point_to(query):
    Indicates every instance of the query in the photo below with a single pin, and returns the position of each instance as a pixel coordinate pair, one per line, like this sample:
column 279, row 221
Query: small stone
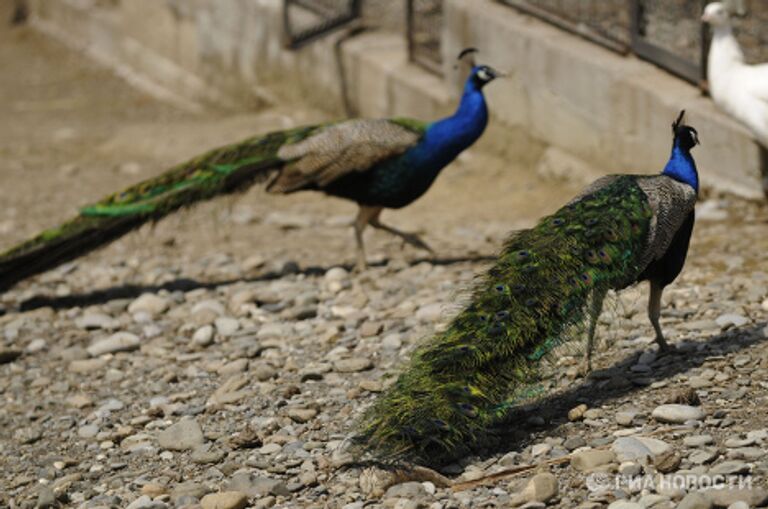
column 46, row 498
column 625, row 504
column 577, row 413
column 540, row 449
column 79, row 401
column 698, row 440
column 301, row 415
column 541, row 488
column 371, row 385
column 739, row 505
column 270, row 448
column 36, row 345
column 754, row 497
column 205, row 454
column 592, row 458
column 154, row 489
column 629, row 449
column 352, row 365
column 430, row 313
column 233, row 367
column 118, row 342
column 370, row 329
column 203, row 336
column 410, row 490
column 28, row 435
column 262, row 371
column 625, row 418
column 731, row 320
column 573, row 443
column 226, row 326
column 392, row 341
column 695, row 500
column 630, row 469
column 149, row 303
column 93, row 321
column 184, row 435
column 87, row 431
column 730, row 468
column 336, row 274
column 677, row 414
column 667, row 462
column 225, row 500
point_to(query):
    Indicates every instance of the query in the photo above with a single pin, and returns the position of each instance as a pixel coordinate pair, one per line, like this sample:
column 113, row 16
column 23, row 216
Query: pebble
column 184, row 435
column 540, row 488
column 731, row 320
column 93, row 321
column 87, row 365
column 203, row 336
column 695, row 500
column 677, row 414
column 149, row 303
column 430, row 313
column 226, row 326
column 118, row 342
column 586, row 460
column 225, row 500
column 754, row 497
column 352, row 365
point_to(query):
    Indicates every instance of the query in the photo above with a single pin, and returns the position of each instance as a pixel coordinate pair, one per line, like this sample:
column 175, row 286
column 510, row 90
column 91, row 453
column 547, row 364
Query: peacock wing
column 671, row 202
column 339, row 149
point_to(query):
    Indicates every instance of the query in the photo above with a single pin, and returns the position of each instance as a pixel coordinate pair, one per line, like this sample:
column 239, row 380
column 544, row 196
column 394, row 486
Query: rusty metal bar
column 331, row 19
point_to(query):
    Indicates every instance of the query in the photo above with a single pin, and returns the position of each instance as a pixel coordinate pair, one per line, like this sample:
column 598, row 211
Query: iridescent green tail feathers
column 534, row 298
column 224, row 170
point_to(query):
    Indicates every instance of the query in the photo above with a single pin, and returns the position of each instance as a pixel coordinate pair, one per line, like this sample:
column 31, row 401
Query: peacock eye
column 483, row 75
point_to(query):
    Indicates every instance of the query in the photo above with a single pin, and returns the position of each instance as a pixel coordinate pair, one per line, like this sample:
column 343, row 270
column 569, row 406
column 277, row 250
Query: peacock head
column 479, row 75
column 716, row 15
column 686, row 136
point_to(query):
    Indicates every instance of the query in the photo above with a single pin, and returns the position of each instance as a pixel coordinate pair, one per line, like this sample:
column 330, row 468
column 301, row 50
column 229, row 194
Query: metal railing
column 424, row 27
column 668, row 33
column 307, row 20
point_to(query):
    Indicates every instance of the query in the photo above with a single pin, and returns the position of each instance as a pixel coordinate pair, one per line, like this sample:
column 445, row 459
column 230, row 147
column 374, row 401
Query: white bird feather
column 739, row 89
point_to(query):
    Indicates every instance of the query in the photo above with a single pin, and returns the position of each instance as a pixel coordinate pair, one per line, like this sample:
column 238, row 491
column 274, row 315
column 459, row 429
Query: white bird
column 738, row 88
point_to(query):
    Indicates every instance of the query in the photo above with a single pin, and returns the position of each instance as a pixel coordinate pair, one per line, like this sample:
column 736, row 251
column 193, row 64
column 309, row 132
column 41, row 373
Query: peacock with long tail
column 547, row 284
column 378, row 163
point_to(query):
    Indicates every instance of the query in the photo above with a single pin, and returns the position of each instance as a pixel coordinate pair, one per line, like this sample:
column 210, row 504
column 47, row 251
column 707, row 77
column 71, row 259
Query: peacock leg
column 362, row 220
column 596, row 306
column 654, row 312
column 409, row 238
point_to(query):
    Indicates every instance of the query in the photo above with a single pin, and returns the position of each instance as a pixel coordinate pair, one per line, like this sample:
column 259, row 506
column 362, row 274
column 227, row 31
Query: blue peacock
column 377, row 163
column 548, row 282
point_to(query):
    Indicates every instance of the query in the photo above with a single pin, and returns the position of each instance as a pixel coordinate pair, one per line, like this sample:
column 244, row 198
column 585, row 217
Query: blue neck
column 447, row 138
column 681, row 167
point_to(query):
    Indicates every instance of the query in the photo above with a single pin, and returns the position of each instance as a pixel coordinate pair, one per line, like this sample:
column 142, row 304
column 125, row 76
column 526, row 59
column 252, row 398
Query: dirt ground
column 71, row 132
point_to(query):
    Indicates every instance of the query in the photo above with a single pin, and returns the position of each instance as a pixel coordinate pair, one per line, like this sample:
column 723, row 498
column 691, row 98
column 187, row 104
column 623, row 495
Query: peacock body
column 545, row 285
column 378, row 163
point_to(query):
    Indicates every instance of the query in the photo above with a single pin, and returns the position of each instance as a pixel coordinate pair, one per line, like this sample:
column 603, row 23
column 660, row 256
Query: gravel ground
column 220, row 358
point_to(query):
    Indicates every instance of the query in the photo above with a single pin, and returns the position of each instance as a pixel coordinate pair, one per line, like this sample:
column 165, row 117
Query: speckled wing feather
column 671, row 202
column 339, row 149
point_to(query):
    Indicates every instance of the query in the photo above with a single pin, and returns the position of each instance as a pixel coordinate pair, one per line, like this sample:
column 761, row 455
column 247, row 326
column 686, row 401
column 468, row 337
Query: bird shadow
column 518, row 429
column 131, row 291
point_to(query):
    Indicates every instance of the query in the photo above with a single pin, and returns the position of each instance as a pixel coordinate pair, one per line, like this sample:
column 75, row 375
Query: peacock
column 377, row 163
column 547, row 284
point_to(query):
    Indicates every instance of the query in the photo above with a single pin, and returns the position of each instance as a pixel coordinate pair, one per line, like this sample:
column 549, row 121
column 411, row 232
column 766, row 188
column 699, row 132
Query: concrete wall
column 598, row 112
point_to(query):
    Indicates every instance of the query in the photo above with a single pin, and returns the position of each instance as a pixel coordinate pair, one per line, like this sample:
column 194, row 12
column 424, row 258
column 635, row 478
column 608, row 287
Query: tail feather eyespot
column 468, row 409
